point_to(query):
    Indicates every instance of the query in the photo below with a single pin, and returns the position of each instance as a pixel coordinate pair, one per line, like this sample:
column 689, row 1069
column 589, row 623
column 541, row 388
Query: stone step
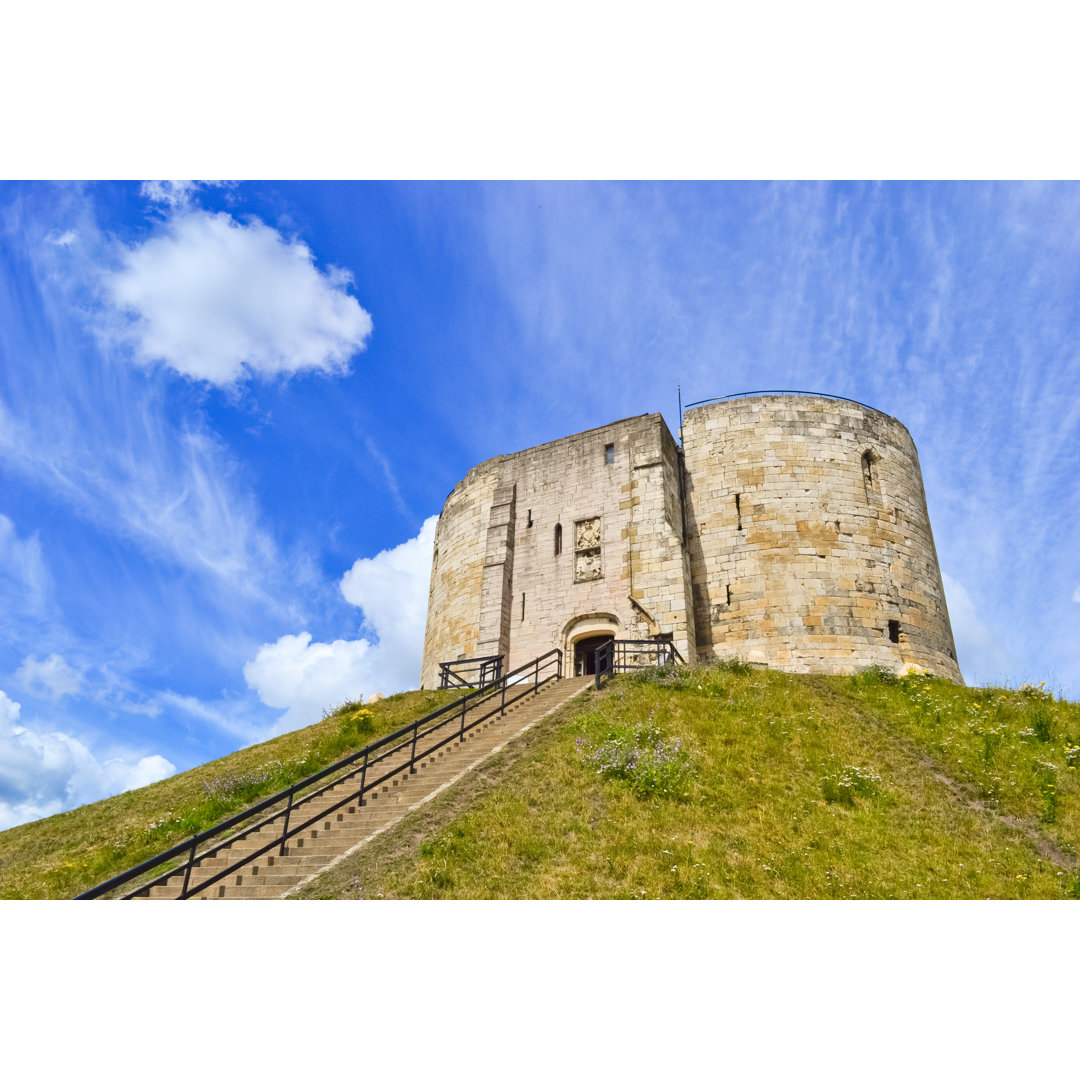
column 249, row 892
column 340, row 830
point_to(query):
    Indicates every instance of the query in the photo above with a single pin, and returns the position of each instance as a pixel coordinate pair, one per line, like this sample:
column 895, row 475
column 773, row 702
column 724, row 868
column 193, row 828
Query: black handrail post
column 363, row 776
column 412, row 757
column 502, row 707
column 190, row 863
column 536, row 677
column 285, row 827
column 461, row 738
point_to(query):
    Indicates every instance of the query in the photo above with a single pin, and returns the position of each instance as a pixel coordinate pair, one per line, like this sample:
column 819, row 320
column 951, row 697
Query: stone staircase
column 344, row 831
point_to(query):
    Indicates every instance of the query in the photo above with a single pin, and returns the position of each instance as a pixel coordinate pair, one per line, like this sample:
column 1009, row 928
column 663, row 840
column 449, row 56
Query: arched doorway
column 585, row 653
column 583, row 634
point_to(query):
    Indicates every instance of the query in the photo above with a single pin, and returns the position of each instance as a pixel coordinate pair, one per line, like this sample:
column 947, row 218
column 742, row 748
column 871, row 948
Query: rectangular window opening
column 738, row 511
column 894, row 631
column 728, row 594
column 609, row 454
column 528, row 524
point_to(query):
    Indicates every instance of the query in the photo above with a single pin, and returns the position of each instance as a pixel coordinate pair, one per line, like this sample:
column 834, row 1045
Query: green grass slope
column 66, row 854
column 721, row 781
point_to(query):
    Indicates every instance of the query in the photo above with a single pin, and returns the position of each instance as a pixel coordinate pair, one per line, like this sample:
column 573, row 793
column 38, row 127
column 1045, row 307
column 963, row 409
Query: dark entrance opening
column 585, row 653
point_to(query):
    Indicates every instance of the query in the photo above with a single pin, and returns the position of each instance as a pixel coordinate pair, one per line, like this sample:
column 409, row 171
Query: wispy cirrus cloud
column 77, row 420
column 24, row 577
column 144, row 495
column 391, row 480
column 983, row 654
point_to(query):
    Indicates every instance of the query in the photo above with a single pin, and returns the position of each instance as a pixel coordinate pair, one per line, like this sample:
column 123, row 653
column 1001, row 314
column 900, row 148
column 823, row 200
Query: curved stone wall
column 457, row 570
column 809, row 539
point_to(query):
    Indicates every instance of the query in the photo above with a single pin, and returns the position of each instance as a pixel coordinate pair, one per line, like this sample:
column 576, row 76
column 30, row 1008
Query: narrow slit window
column 558, row 540
column 728, row 587
column 868, row 468
column 528, row 524
column 738, row 511
column 609, row 454
column 894, row 631
column 522, row 607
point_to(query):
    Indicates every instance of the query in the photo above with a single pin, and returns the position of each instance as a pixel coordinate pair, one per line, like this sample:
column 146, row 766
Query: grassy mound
column 722, row 781
column 66, row 854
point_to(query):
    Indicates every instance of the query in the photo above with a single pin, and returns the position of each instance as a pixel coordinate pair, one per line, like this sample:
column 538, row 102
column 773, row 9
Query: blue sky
column 229, row 413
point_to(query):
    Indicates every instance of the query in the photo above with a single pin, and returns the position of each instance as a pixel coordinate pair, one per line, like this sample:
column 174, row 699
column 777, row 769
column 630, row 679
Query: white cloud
column 392, row 589
column 175, row 194
column 306, row 677
column 170, row 192
column 218, row 300
column 44, row 773
column 52, row 677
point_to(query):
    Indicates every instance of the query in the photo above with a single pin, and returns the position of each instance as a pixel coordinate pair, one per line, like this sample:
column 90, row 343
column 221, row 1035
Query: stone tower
column 810, row 544
column 788, row 530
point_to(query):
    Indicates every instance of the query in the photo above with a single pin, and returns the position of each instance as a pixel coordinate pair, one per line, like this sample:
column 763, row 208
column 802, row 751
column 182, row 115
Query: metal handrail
column 363, row 760
column 488, row 668
column 607, row 665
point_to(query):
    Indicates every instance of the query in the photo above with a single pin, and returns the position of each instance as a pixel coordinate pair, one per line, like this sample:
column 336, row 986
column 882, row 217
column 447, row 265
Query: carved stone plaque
column 587, row 565
column 587, row 534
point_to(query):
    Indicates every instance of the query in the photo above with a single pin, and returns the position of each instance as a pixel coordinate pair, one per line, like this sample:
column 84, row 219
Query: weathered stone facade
column 789, row 530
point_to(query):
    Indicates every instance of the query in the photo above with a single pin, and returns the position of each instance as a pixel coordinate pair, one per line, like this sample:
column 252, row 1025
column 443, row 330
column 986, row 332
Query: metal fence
column 616, row 656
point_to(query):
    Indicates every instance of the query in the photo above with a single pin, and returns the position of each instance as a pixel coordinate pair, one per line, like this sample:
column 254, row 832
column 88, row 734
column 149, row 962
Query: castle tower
column 561, row 546
column 809, row 539
column 789, row 530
